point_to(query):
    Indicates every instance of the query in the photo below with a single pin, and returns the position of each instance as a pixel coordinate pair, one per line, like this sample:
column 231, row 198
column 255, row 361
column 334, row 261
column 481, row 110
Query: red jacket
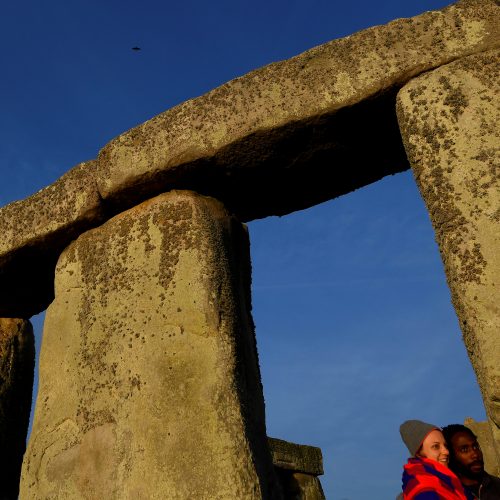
column 425, row 479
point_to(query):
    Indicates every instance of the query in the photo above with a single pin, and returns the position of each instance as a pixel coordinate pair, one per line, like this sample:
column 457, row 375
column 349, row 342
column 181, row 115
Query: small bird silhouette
column 136, row 48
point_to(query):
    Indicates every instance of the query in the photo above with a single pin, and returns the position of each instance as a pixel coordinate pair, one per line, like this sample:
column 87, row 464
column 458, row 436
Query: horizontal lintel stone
column 297, row 132
column 296, row 457
column 284, row 137
column 34, row 232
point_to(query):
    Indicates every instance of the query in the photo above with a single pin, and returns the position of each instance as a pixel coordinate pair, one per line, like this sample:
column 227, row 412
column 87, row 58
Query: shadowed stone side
column 449, row 121
column 17, row 363
column 300, row 486
column 34, row 232
column 149, row 378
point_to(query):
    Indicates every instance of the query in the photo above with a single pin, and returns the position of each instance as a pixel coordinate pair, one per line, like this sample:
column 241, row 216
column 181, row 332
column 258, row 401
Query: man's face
column 467, row 456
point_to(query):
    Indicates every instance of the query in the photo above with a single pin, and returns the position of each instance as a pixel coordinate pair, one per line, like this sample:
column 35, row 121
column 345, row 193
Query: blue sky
column 355, row 328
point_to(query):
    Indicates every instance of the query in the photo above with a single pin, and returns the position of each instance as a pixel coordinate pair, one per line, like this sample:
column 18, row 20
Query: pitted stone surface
column 274, row 132
column 149, row 379
column 282, row 138
column 35, row 230
column 73, row 198
column 296, row 457
column 449, row 120
column 17, row 363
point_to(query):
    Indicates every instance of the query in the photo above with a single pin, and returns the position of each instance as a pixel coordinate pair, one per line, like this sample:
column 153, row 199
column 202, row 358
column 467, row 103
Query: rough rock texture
column 449, row 121
column 284, row 137
column 17, row 363
column 297, row 467
column 149, row 378
column 35, row 230
column 296, row 457
column 484, row 436
column 297, row 132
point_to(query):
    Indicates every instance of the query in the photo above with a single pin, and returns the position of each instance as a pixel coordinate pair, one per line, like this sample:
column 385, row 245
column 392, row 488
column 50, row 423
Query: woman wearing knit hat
column 426, row 475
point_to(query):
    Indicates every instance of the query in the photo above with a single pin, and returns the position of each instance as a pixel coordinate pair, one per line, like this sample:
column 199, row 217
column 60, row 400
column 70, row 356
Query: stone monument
column 149, row 376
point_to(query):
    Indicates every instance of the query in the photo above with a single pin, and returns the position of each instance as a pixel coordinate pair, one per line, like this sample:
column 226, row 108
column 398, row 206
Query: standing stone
column 17, row 363
column 149, row 379
column 449, row 122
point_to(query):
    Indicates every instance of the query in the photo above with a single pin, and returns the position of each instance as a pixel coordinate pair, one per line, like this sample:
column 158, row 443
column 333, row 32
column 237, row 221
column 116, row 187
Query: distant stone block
column 296, row 457
column 297, row 467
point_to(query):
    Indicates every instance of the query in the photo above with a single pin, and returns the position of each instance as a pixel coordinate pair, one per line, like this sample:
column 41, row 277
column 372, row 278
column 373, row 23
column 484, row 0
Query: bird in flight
column 136, row 48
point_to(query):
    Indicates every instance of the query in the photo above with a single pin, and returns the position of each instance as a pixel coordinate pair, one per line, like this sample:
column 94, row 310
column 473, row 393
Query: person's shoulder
column 491, row 483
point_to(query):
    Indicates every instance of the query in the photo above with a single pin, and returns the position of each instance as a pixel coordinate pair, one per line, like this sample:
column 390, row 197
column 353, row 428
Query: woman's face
column 434, row 448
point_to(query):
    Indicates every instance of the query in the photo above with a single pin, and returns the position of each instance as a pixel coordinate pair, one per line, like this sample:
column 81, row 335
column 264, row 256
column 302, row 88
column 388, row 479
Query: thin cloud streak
column 379, row 282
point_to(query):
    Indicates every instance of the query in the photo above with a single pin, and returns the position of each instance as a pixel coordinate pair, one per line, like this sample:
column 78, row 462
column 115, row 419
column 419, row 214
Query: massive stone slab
column 449, row 120
column 34, row 232
column 17, row 363
column 149, row 378
column 297, row 132
column 284, row 137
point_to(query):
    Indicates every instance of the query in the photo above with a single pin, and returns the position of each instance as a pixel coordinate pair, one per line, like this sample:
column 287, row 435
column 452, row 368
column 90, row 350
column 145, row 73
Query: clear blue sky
column 355, row 328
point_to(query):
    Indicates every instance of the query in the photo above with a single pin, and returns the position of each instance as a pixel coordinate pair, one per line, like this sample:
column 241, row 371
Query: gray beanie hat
column 413, row 432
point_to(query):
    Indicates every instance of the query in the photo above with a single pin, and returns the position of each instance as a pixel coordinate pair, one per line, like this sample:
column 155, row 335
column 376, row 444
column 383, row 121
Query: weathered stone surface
column 297, row 467
column 281, row 138
column 449, row 120
column 485, row 438
column 296, row 457
column 149, row 379
column 35, row 230
column 17, row 363
column 297, row 132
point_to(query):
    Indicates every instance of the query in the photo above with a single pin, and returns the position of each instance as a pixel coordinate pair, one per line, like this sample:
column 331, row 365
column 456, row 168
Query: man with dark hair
column 466, row 461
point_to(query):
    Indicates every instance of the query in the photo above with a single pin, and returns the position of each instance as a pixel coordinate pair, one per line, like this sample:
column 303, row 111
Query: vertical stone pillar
column 149, row 377
column 17, row 363
column 449, row 121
